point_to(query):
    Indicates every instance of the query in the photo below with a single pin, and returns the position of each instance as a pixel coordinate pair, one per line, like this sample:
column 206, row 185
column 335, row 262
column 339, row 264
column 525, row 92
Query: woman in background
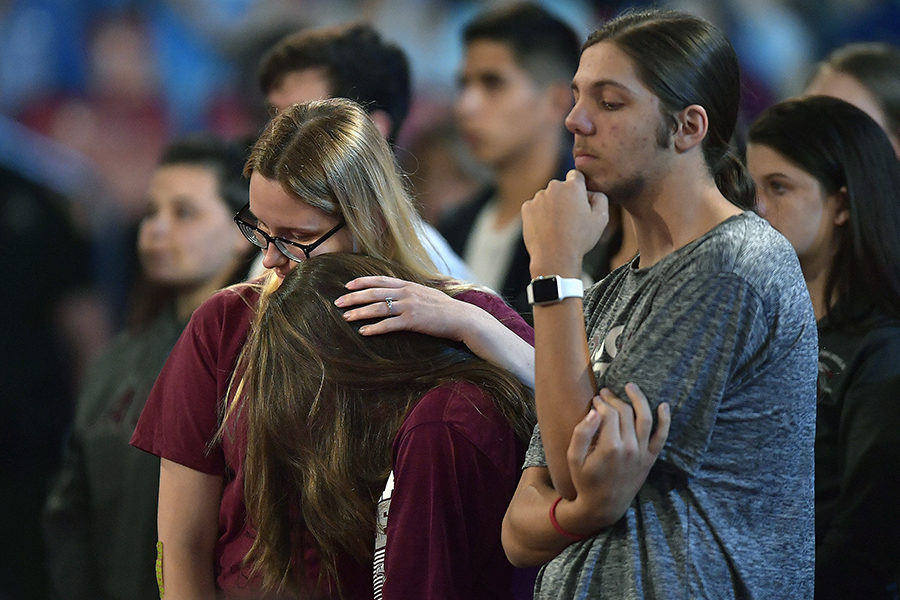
column 332, row 414
column 828, row 179
column 867, row 75
column 100, row 516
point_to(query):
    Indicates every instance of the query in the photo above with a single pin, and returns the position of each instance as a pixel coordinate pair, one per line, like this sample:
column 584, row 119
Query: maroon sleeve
column 455, row 469
column 182, row 413
column 501, row 311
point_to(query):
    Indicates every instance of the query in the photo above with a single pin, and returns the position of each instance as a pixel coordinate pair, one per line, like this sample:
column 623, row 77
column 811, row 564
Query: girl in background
column 867, row 75
column 100, row 516
column 828, row 179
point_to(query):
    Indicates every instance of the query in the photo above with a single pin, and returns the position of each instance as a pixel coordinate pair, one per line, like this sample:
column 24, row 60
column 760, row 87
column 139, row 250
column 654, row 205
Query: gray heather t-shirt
column 723, row 330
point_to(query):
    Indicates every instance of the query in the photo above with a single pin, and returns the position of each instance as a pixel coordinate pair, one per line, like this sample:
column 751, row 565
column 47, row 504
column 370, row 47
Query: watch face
column 545, row 290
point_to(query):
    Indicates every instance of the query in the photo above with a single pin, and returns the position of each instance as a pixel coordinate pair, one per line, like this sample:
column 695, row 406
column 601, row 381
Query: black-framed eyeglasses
column 295, row 251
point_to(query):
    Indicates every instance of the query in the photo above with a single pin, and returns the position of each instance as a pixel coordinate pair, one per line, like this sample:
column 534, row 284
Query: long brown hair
column 844, row 148
column 323, row 406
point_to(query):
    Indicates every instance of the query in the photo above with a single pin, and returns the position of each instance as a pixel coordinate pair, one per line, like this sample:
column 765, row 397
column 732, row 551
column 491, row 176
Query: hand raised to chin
column 561, row 224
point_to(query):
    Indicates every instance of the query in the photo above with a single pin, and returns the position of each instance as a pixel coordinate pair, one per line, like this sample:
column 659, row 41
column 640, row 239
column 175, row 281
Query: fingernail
column 363, row 329
column 339, row 301
column 665, row 408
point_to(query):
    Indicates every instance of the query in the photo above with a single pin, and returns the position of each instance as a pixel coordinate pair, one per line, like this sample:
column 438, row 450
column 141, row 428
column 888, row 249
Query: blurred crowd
column 91, row 92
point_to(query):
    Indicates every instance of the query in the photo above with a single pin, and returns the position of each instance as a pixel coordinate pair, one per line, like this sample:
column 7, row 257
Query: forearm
column 559, row 225
column 528, row 536
column 187, row 572
column 491, row 340
column 609, row 457
column 564, row 383
column 188, row 527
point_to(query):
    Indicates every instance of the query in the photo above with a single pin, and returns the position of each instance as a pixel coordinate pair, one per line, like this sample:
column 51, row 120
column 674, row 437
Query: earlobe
column 692, row 125
column 842, row 214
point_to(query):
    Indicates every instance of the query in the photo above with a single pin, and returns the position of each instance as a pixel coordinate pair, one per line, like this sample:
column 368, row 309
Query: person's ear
column 383, row 122
column 691, row 126
column 842, row 211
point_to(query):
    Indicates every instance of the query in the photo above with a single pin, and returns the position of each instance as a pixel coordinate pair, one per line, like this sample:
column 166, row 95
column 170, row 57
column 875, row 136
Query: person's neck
column 628, row 247
column 816, row 272
column 523, row 175
column 675, row 210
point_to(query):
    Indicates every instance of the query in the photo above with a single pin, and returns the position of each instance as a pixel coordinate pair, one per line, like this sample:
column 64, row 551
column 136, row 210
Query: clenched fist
column 561, row 224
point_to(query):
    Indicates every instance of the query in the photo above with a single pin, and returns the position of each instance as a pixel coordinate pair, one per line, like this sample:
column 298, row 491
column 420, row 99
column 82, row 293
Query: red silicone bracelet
column 559, row 528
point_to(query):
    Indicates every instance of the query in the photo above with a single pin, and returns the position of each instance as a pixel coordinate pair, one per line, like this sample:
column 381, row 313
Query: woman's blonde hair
column 330, row 155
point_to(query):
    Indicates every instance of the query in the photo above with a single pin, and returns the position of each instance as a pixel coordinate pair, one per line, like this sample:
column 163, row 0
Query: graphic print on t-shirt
column 830, row 365
column 606, row 352
column 384, row 506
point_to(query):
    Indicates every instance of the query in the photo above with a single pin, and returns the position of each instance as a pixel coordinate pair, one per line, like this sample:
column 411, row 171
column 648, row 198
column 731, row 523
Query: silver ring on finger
column 390, row 305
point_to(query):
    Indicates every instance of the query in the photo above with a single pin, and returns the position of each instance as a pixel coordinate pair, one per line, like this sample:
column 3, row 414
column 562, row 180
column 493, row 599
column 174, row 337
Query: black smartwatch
column 553, row 288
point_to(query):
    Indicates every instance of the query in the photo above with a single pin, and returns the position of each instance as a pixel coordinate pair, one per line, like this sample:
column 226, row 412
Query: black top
column 858, row 461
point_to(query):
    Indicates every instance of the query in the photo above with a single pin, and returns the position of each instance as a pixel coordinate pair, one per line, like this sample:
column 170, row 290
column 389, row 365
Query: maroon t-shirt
column 456, row 464
column 182, row 415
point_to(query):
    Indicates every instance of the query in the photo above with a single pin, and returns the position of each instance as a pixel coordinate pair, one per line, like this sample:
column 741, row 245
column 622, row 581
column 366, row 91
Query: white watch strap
column 570, row 287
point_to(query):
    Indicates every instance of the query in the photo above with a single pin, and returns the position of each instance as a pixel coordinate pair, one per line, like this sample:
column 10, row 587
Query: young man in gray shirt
column 711, row 321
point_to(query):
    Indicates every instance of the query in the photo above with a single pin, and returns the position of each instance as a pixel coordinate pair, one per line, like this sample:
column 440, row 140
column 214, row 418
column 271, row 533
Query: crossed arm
column 609, row 456
column 599, row 451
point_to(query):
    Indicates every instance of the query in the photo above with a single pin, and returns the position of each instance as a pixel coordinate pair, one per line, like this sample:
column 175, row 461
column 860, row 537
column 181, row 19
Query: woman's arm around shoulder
column 484, row 323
